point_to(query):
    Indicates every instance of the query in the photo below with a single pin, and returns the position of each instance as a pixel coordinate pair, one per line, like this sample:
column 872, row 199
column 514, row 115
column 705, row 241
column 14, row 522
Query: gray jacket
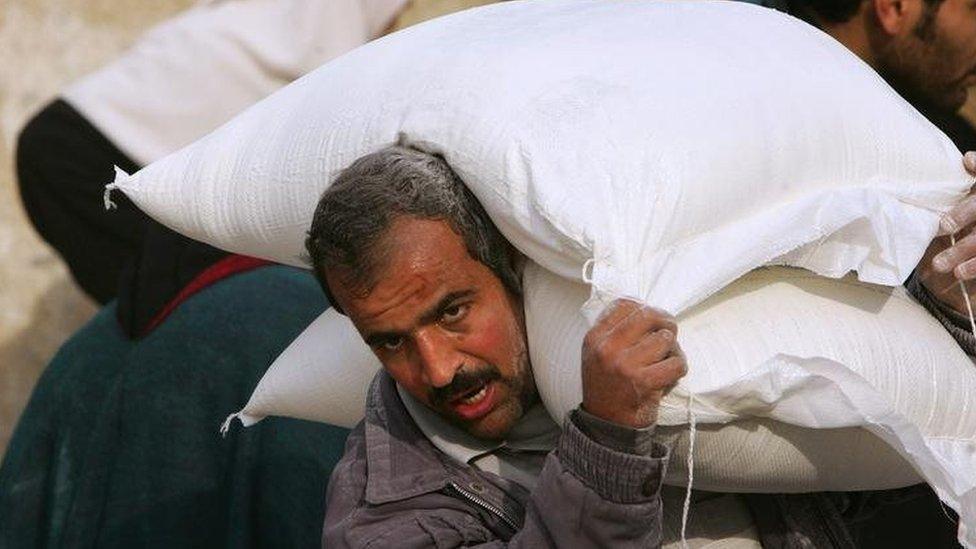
column 393, row 488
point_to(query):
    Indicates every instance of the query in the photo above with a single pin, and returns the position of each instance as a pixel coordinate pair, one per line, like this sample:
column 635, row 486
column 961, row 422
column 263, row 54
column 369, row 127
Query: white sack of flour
column 799, row 384
column 878, row 333
column 322, row 376
column 657, row 150
column 804, row 351
column 663, row 145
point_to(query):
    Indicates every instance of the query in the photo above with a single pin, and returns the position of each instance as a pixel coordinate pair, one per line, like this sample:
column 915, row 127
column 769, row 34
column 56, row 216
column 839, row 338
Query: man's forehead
column 423, row 260
column 420, row 251
column 404, row 289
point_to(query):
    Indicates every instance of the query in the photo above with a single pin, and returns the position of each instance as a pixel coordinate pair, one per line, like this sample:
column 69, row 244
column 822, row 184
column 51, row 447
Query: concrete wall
column 45, row 44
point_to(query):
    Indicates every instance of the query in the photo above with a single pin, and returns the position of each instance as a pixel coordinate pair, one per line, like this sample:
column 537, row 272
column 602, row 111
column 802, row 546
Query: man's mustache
column 465, row 380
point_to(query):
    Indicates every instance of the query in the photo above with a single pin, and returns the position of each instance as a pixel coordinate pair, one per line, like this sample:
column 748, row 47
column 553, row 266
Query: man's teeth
column 475, row 397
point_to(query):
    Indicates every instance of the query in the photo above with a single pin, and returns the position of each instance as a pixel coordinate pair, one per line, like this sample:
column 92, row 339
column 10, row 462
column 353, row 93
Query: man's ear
column 897, row 17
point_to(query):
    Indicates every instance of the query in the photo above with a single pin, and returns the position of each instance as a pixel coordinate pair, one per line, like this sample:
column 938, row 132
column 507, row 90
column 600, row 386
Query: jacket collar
column 401, row 462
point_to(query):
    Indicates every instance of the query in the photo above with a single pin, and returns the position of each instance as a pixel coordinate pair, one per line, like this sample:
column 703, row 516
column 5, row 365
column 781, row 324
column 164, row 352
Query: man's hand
column 945, row 265
column 630, row 359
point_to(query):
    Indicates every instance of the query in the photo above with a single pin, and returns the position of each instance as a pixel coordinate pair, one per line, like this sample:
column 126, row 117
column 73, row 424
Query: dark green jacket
column 119, row 447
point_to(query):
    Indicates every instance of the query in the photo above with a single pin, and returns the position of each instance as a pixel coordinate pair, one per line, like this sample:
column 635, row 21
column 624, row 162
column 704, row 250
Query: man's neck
column 855, row 35
column 535, row 430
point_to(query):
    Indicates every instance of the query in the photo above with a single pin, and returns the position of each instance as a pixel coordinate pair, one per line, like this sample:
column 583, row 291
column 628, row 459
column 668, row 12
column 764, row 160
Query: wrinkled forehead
column 416, row 261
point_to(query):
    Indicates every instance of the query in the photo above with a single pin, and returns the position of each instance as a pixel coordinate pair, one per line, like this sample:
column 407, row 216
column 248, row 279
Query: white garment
column 192, row 73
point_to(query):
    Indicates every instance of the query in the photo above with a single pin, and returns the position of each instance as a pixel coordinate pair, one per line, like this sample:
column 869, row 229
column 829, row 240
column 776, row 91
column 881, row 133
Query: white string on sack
column 587, row 276
column 225, row 427
column 107, row 196
column 691, row 471
column 965, row 294
column 588, row 267
column 120, row 175
column 962, row 283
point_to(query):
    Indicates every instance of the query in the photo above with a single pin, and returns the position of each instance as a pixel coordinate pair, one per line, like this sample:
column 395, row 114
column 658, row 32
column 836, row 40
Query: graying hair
column 356, row 211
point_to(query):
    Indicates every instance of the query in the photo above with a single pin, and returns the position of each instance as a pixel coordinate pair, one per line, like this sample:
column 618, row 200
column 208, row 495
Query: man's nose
column 438, row 360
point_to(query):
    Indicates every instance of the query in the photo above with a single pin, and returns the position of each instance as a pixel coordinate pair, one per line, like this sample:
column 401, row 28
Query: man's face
column 445, row 327
column 934, row 62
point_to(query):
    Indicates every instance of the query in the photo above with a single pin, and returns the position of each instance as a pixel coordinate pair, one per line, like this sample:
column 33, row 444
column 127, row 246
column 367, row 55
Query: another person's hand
column 631, row 358
column 944, row 265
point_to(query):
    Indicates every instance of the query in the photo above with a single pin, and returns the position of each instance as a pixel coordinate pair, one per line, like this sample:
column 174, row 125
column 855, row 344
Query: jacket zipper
column 507, row 519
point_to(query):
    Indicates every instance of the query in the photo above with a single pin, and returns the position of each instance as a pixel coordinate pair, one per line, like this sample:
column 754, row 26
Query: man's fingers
column 942, row 290
column 649, row 349
column 962, row 215
column 628, row 321
column 969, row 162
column 666, row 373
column 965, row 270
column 645, row 322
column 948, row 260
column 965, row 212
column 618, row 311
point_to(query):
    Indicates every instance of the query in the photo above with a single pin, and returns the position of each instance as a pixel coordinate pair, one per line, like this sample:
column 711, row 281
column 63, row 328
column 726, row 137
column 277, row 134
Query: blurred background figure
column 924, row 49
column 180, row 80
column 119, row 443
column 44, row 44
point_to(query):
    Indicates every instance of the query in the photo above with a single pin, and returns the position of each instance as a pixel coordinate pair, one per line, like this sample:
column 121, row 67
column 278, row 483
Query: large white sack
column 804, row 351
column 321, row 376
column 667, row 142
column 879, row 332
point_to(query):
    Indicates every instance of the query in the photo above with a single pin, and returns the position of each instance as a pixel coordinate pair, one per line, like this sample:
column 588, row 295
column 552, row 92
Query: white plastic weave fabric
column 743, row 445
column 666, row 142
column 322, row 376
column 796, row 369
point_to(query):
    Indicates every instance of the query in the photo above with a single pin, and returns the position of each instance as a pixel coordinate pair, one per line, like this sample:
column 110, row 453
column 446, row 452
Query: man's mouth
column 475, row 403
column 475, row 396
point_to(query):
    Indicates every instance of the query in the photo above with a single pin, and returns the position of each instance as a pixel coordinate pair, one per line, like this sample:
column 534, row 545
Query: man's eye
column 392, row 344
column 454, row 313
